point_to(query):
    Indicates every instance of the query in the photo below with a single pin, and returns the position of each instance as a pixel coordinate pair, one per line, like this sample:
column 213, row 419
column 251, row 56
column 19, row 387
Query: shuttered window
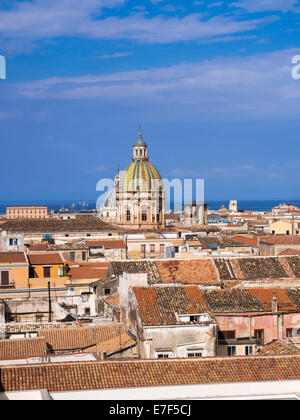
column 47, row 272
column 4, row 278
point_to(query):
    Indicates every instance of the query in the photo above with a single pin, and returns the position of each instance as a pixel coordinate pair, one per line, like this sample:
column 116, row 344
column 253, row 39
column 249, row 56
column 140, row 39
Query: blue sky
column 210, row 82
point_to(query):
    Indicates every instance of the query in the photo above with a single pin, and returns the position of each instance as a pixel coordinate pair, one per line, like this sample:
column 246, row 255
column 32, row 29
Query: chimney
column 274, row 304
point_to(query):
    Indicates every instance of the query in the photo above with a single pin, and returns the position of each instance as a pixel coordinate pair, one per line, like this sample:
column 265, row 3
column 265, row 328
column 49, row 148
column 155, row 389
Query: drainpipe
column 49, row 298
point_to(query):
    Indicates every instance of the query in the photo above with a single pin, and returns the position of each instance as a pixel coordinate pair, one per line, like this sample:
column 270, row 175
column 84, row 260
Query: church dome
column 140, row 175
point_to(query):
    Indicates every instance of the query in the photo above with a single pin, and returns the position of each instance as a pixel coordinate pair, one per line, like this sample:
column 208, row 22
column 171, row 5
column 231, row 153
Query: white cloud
column 259, row 84
column 115, row 55
column 97, row 170
column 267, row 5
column 44, row 19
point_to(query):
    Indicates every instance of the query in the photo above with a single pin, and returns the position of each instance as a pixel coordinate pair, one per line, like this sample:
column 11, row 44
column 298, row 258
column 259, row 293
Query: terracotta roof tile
column 253, row 241
column 80, row 224
column 146, row 373
column 12, row 258
column 22, row 348
column 93, row 273
column 45, row 259
column 80, row 338
column 161, row 305
column 107, row 244
column 201, row 271
column 113, row 300
column 289, row 251
column 281, row 239
column 252, row 300
column 279, row 347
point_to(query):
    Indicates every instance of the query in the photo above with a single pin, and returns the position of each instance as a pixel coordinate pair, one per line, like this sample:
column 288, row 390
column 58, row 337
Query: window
column 152, row 248
column 39, row 318
column 85, row 297
column 194, row 318
column 194, row 353
column 163, row 355
column 226, row 335
column 87, row 311
column 47, row 272
column 259, row 334
column 107, row 291
column 289, row 332
column 128, row 216
column 231, row 350
column 144, row 215
column 143, row 251
column 72, row 256
column 32, row 273
column 4, row 279
column 248, row 350
column 13, row 242
column 83, row 256
column 162, row 248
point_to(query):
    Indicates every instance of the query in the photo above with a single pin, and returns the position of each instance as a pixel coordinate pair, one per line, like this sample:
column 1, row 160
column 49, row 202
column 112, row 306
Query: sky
column 209, row 81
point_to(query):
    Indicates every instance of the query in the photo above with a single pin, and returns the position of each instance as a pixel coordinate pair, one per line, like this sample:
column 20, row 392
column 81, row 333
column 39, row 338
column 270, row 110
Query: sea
column 56, row 205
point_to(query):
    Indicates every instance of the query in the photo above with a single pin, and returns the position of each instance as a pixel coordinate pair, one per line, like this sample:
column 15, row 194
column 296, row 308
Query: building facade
column 30, row 212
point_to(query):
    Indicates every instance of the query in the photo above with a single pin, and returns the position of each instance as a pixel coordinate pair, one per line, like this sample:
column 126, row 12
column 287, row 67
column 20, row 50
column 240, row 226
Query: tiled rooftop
column 252, row 300
column 22, row 348
column 80, row 338
column 252, row 241
column 279, row 347
column 159, row 305
column 146, row 373
column 80, row 224
column 220, row 241
column 281, row 239
column 113, row 300
column 232, row 301
column 45, row 259
column 200, row 271
column 149, row 267
column 93, row 273
column 107, row 244
column 258, row 268
column 12, row 258
column 289, row 251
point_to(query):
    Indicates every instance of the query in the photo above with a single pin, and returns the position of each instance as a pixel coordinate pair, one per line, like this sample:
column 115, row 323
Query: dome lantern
column 140, row 148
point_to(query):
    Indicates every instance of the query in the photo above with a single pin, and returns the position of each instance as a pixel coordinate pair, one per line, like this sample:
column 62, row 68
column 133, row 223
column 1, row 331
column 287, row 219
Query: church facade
column 138, row 198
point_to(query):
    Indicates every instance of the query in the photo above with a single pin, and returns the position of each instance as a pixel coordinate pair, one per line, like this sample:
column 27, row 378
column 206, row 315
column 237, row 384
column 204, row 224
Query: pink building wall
column 274, row 325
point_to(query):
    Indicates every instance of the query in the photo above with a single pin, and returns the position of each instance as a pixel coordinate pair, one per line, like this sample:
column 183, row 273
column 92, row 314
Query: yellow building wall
column 54, row 270
column 18, row 276
column 281, row 227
